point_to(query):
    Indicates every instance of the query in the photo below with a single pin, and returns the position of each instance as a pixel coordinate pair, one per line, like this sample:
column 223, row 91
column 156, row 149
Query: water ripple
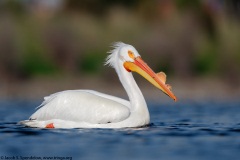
column 188, row 131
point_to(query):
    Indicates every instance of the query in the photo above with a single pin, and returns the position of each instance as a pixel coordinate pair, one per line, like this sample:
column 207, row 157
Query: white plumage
column 91, row 109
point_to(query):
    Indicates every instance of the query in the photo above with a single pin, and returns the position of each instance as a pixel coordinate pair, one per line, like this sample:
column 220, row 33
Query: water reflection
column 203, row 131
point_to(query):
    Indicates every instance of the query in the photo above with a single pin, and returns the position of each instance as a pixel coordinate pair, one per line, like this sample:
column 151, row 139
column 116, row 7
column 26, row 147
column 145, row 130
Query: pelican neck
column 135, row 95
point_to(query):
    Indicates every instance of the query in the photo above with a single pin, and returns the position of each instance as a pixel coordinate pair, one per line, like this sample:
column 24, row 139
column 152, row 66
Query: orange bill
column 144, row 70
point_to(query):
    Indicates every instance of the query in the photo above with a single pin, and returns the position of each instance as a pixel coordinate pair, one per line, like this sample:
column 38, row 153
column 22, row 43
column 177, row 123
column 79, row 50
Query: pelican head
column 127, row 56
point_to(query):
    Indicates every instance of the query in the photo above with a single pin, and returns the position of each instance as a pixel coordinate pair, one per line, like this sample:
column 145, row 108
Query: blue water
column 183, row 130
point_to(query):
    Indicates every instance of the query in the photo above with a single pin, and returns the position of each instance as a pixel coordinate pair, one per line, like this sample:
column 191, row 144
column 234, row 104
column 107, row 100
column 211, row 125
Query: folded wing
column 83, row 106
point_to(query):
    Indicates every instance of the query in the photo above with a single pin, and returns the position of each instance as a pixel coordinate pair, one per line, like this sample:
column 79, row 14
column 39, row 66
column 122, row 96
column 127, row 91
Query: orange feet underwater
column 50, row 125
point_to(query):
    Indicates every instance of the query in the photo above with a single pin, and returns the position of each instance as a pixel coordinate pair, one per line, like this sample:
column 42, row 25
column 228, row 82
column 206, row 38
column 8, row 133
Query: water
column 184, row 130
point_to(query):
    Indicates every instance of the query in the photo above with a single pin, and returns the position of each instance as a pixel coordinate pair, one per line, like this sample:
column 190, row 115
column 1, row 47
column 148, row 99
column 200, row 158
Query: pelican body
column 92, row 109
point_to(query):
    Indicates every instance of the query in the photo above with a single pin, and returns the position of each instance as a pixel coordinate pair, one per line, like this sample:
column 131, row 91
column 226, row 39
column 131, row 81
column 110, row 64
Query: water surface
column 184, row 130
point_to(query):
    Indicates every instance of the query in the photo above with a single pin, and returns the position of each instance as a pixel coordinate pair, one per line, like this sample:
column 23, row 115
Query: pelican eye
column 131, row 55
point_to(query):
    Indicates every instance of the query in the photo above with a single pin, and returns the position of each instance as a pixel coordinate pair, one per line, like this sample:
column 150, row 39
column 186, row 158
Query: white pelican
column 91, row 109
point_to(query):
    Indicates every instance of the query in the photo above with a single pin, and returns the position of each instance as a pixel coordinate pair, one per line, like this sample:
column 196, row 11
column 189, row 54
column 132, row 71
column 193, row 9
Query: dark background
column 49, row 46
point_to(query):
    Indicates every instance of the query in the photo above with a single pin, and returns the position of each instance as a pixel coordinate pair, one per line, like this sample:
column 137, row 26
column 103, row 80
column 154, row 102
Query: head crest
column 110, row 60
